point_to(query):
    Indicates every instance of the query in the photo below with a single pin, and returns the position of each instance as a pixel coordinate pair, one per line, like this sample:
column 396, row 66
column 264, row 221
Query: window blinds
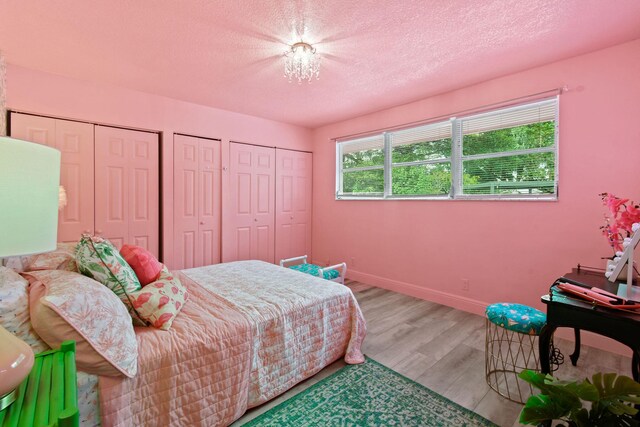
column 510, row 117
column 428, row 133
column 375, row 142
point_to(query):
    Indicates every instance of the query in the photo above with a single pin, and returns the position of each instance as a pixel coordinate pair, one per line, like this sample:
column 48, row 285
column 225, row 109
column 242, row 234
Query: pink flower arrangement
column 621, row 215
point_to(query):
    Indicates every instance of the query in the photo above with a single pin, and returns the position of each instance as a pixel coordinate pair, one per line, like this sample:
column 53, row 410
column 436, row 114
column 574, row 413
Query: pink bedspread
column 249, row 332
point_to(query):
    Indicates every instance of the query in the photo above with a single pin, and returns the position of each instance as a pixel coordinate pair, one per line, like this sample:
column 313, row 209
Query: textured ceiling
column 375, row 54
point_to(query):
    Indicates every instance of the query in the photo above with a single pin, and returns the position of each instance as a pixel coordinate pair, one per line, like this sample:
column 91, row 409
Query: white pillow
column 14, row 308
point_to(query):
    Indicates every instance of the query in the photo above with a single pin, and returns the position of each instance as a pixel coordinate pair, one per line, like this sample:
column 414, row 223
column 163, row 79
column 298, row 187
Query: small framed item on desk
column 49, row 395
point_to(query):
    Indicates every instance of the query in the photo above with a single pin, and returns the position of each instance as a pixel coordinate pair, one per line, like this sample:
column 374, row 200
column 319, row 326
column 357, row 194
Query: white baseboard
column 456, row 301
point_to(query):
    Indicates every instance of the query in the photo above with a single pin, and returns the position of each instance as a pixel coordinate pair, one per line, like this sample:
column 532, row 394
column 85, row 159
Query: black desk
column 567, row 312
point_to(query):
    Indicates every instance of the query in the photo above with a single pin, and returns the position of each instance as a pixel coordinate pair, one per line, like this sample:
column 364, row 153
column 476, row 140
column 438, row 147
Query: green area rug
column 369, row 394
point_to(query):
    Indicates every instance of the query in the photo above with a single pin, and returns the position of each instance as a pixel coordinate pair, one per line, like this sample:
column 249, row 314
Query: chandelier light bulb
column 301, row 63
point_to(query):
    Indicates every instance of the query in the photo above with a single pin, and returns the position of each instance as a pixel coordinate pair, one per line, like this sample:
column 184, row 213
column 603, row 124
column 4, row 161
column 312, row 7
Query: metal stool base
column 507, row 353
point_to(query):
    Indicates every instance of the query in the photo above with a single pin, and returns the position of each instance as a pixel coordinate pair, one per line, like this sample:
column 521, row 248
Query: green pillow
column 99, row 259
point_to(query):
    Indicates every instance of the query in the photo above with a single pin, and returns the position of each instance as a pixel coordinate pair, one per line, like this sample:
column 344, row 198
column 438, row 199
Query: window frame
column 457, row 158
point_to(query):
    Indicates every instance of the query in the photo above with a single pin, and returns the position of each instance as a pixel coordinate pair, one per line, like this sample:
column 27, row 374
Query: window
column 505, row 153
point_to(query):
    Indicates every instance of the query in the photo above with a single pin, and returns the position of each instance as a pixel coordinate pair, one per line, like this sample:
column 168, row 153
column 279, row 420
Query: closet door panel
column 249, row 228
column 144, row 196
column 237, row 242
column 127, row 187
column 210, row 200
column 41, row 130
column 263, row 244
column 75, row 141
column 303, row 202
column 185, row 194
column 293, row 204
column 112, row 192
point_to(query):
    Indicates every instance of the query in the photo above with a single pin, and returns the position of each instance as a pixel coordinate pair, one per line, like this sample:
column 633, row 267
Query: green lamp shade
column 29, row 180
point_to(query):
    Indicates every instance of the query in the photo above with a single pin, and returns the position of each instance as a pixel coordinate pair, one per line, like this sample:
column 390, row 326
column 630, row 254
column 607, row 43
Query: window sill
column 553, row 198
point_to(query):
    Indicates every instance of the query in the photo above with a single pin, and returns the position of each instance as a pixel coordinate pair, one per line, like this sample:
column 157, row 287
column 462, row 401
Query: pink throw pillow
column 144, row 264
column 160, row 302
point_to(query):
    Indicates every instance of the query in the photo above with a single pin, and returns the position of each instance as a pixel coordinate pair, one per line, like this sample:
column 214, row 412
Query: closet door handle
column 201, row 222
column 291, row 217
column 255, row 219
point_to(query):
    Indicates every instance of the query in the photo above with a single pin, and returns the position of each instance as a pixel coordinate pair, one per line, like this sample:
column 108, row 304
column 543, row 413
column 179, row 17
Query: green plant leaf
column 614, row 391
column 536, row 379
column 581, row 417
column 584, row 390
column 541, row 408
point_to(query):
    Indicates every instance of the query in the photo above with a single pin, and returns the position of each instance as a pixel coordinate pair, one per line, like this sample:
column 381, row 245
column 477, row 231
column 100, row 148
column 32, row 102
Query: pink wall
column 508, row 250
column 48, row 94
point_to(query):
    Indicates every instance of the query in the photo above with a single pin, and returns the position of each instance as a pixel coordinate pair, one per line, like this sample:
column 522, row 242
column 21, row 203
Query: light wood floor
column 443, row 349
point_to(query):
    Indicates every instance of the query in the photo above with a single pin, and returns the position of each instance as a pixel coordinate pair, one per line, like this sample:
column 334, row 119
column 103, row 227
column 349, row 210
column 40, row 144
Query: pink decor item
column 144, row 263
column 160, row 302
column 623, row 213
column 18, row 357
column 69, row 306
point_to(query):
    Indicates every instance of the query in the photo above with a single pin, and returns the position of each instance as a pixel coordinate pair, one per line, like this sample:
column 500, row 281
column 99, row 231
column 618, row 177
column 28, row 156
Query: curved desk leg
column 576, row 351
column 544, row 348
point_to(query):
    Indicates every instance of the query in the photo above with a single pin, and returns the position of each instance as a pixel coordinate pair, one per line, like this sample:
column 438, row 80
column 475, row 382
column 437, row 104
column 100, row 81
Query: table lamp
column 29, row 179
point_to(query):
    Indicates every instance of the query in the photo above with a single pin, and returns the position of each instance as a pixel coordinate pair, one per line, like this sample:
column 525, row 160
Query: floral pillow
column 69, row 306
column 62, row 258
column 14, row 308
column 99, row 259
column 160, row 302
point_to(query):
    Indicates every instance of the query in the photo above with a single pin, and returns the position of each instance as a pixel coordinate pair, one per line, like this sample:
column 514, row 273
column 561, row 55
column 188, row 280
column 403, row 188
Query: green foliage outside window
column 531, row 173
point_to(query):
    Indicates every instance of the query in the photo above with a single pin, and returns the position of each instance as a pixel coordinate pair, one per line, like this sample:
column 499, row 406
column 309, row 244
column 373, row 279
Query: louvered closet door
column 196, row 201
column 75, row 141
column 293, row 203
column 249, row 218
column 127, row 187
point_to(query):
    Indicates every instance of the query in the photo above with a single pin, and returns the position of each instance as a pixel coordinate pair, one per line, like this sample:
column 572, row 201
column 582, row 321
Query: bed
column 249, row 332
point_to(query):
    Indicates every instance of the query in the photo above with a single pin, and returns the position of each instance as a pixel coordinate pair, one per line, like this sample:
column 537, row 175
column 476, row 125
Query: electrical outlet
column 465, row 284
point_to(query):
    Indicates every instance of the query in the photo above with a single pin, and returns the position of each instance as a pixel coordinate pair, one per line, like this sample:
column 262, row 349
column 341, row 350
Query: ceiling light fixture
column 301, row 62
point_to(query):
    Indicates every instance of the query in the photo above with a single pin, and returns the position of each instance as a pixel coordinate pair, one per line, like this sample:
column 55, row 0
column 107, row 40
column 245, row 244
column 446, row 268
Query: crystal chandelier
column 301, row 63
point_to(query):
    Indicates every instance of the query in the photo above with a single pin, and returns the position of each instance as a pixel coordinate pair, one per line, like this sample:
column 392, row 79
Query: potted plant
column 610, row 400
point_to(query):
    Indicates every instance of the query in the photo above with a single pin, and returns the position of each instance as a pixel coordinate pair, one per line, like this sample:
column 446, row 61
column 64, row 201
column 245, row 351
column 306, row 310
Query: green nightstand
column 49, row 395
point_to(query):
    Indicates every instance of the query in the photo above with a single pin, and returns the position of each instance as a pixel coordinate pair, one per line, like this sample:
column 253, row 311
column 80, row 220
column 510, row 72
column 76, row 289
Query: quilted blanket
column 249, row 332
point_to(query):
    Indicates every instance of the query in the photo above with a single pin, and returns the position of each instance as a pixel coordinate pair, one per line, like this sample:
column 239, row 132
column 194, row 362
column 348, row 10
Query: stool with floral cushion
column 335, row 273
column 511, row 346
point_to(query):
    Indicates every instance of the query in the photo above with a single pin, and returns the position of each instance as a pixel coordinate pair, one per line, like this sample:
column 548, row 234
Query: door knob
column 201, row 222
column 255, row 219
column 291, row 217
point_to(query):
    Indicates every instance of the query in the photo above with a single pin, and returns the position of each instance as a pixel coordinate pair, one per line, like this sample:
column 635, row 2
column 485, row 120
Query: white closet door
column 209, row 211
column 293, row 203
column 196, row 201
column 248, row 228
column 127, row 187
column 75, row 142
